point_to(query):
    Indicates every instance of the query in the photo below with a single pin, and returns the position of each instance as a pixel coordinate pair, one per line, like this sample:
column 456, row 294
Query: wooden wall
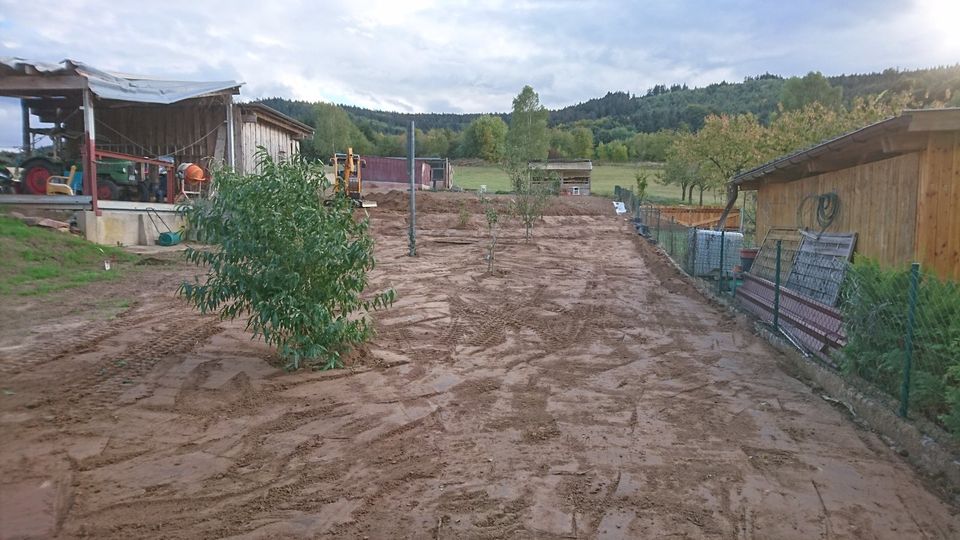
column 700, row 216
column 194, row 132
column 938, row 209
column 271, row 137
column 878, row 202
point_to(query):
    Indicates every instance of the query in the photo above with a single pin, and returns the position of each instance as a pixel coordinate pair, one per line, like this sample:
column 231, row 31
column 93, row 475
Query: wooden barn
column 89, row 120
column 895, row 184
column 574, row 174
column 95, row 114
column 277, row 133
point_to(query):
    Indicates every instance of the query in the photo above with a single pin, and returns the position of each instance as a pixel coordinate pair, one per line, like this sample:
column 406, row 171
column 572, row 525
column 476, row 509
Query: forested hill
column 663, row 107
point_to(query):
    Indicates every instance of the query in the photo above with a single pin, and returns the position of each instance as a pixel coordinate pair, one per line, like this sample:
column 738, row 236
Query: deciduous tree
column 528, row 138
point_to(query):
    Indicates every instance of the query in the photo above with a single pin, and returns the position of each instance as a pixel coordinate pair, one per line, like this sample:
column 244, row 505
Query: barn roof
column 886, row 138
column 562, row 165
column 259, row 111
column 20, row 77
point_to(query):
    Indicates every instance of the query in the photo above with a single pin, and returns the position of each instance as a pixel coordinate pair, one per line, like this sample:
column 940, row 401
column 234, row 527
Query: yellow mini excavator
column 348, row 169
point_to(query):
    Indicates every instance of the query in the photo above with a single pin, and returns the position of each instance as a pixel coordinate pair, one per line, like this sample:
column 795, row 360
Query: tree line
column 810, row 110
column 621, row 126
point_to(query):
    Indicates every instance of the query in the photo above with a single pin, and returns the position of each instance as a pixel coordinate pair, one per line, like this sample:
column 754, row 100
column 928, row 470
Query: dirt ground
column 583, row 390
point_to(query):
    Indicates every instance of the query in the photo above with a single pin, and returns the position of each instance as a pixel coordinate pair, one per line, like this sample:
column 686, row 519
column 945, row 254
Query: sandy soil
column 583, row 390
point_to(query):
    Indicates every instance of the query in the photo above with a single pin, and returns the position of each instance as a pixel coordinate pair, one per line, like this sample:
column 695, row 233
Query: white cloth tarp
column 116, row 86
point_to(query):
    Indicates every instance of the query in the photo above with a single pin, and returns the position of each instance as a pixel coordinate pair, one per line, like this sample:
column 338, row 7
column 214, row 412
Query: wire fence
column 897, row 329
column 702, row 252
column 903, row 335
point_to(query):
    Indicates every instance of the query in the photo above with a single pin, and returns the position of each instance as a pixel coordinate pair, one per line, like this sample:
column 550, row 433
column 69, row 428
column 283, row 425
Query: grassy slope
column 38, row 261
column 604, row 178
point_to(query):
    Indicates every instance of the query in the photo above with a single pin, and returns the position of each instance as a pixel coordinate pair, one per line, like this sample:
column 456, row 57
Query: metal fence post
column 776, row 289
column 658, row 226
column 908, row 339
column 411, row 164
column 673, row 250
column 720, row 278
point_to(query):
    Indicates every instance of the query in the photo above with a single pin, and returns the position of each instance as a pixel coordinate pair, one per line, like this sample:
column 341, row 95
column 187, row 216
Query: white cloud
column 468, row 56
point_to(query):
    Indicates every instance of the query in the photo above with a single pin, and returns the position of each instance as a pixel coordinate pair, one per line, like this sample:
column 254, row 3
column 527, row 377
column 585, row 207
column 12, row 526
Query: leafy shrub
column 875, row 304
column 294, row 264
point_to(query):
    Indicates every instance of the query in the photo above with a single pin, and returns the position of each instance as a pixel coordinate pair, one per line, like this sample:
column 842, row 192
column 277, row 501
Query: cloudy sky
column 472, row 56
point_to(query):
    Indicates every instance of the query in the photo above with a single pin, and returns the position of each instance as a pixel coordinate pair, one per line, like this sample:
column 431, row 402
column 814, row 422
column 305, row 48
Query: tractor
column 117, row 179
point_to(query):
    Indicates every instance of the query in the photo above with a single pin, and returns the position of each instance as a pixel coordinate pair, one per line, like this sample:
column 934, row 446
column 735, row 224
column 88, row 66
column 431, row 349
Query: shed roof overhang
column 256, row 112
column 28, row 79
column 881, row 140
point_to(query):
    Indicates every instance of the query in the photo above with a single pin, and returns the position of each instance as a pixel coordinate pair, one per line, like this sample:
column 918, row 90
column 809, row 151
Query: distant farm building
column 573, row 174
column 393, row 173
column 896, row 184
column 94, row 119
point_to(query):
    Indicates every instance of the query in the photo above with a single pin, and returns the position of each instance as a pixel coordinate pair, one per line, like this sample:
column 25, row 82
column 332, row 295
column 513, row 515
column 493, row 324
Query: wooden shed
column 574, row 174
column 896, row 182
column 276, row 132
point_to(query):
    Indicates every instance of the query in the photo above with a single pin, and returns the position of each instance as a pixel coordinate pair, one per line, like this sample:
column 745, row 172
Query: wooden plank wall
column 878, row 202
column 938, row 213
column 701, row 216
column 274, row 139
column 188, row 132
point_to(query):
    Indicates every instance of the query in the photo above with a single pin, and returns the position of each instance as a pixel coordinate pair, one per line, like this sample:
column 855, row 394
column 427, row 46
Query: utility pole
column 411, row 166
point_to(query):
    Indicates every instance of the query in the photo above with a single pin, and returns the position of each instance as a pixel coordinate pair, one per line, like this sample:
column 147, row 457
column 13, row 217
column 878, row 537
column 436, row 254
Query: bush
column 294, row 264
column 875, row 304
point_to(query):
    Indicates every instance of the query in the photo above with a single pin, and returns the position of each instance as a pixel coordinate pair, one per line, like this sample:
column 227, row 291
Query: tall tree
column 485, row 138
column 335, row 132
column 582, row 143
column 528, row 138
column 726, row 146
column 798, row 92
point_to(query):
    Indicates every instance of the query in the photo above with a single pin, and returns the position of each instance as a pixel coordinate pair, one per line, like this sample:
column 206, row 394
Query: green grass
column 603, row 179
column 38, row 261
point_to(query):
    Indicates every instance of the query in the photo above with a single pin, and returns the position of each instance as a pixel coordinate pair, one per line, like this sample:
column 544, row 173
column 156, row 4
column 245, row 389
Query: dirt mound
column 452, row 203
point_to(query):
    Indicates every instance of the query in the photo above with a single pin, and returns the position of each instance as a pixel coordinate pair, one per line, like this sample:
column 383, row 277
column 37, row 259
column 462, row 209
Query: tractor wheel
column 34, row 175
column 107, row 190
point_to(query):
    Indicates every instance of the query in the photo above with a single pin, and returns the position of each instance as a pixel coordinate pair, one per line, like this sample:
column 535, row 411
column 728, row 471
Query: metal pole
column 411, row 166
column 908, row 339
column 90, row 149
column 658, row 226
column 776, row 289
column 231, row 157
column 720, row 278
column 25, row 115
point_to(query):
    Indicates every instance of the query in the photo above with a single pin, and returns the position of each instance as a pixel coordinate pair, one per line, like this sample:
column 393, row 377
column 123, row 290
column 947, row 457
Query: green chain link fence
column 902, row 325
column 903, row 335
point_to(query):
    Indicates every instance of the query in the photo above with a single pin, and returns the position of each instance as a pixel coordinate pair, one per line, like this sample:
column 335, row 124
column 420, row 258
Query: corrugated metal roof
column 120, row 87
column 562, row 165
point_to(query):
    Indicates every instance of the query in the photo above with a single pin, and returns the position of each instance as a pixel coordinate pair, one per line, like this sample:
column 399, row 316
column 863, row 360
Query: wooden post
column 231, row 150
column 90, row 150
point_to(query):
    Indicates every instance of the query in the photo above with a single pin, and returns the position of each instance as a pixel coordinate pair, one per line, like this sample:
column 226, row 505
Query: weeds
column 875, row 304
column 463, row 216
column 493, row 230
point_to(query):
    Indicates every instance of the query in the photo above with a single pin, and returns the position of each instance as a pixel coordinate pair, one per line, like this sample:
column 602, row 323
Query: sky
column 473, row 56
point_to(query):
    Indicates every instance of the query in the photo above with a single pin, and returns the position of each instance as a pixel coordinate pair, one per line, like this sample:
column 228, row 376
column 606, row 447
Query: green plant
column 294, row 264
column 642, row 179
column 875, row 304
column 463, row 216
column 493, row 228
column 532, row 194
